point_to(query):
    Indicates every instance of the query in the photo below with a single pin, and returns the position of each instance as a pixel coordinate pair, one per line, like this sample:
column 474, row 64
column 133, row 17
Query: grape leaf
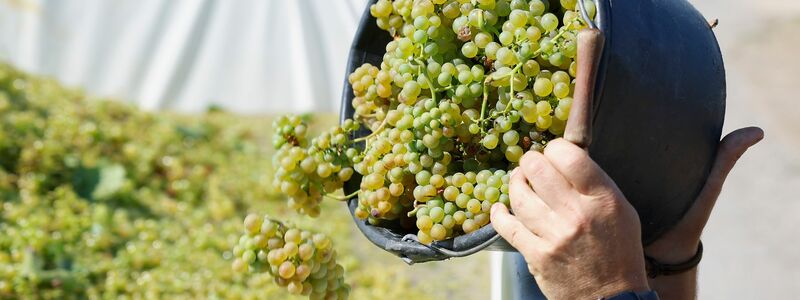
column 99, row 183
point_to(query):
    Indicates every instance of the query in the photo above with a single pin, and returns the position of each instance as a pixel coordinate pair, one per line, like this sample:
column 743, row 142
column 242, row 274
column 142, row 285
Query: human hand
column 680, row 243
column 579, row 235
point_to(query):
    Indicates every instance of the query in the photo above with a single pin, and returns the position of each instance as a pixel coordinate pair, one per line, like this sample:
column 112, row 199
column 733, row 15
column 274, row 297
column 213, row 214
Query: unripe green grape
column 421, row 22
column 488, row 4
column 474, row 206
column 511, row 138
column 437, row 180
column 520, row 82
column 381, row 9
column 506, row 56
column 286, row 270
column 451, row 193
column 561, row 113
column 424, row 238
column 465, row 77
column 475, row 89
column 543, row 108
column 491, row 50
column 546, row 45
column 469, row 225
column 549, row 22
column 444, row 79
column 490, row 141
column 561, row 90
column 483, row 39
column 542, row 87
column 252, row 223
column 469, row 50
column 591, row 8
column 435, row 20
column 467, row 188
column 475, row 17
column 536, row 7
column 506, row 38
column 424, row 223
column 438, row 232
column 544, row 122
column 514, row 153
column 556, row 59
column 533, row 33
column 560, row 76
column 436, row 214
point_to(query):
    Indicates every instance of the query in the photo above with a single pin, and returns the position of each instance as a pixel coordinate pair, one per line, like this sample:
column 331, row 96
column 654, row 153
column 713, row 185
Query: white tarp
column 249, row 56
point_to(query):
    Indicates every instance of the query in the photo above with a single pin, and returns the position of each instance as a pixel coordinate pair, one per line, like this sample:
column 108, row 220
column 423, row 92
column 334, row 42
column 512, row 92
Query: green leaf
column 99, row 183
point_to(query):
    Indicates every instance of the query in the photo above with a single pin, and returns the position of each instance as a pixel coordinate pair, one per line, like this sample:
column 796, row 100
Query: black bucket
column 657, row 117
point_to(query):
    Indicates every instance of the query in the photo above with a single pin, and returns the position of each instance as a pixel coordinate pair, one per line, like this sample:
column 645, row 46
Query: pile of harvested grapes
column 465, row 88
column 99, row 200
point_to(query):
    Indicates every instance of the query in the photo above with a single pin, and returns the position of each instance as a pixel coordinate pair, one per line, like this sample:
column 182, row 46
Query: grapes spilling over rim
column 464, row 90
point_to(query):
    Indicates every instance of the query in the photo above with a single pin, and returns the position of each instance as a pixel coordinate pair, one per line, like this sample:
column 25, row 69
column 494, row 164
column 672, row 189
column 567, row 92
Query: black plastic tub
column 657, row 117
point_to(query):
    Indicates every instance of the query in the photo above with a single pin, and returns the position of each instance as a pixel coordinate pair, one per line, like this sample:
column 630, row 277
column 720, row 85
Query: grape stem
column 343, row 198
column 486, row 93
column 374, row 133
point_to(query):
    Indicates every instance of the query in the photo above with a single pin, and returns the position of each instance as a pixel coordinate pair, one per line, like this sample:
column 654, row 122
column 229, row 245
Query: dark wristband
column 649, row 295
column 655, row 269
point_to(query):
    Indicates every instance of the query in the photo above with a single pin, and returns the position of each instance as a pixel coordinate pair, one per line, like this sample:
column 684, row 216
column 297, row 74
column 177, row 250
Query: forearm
column 680, row 286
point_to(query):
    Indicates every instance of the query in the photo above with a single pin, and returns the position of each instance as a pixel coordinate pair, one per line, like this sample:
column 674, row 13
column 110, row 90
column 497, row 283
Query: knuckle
column 518, row 194
column 517, row 238
column 532, row 163
column 550, row 252
column 517, row 204
column 580, row 227
column 573, row 161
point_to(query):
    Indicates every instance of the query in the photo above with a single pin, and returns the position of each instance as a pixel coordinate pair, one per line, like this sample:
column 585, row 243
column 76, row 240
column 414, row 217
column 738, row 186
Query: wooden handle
column 590, row 50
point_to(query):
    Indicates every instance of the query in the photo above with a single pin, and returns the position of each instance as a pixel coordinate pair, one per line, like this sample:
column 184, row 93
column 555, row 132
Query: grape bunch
column 307, row 172
column 464, row 89
column 301, row 261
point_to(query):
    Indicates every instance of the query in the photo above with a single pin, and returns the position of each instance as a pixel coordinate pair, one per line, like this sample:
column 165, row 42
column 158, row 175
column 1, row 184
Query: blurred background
column 269, row 57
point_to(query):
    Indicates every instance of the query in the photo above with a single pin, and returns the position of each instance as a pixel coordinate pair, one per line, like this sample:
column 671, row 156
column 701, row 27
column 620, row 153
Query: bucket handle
column 450, row 253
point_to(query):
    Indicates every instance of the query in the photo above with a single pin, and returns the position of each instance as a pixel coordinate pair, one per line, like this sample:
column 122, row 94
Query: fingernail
column 514, row 171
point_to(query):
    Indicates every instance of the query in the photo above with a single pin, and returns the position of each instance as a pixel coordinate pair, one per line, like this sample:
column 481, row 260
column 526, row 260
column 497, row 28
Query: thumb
column 731, row 148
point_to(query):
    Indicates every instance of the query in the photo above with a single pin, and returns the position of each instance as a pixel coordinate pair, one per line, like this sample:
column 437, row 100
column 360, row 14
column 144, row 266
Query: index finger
column 577, row 167
column 515, row 233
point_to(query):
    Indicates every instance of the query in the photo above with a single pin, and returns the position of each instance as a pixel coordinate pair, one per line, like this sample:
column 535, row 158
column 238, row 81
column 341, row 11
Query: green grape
column 511, row 138
column 542, row 87
column 549, row 22
column 483, row 39
column 561, row 90
column 490, row 141
column 469, row 50
column 438, row 232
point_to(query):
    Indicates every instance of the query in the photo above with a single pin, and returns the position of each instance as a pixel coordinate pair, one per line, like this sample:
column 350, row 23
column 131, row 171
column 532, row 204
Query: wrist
column 636, row 285
column 656, row 268
column 648, row 295
column 673, row 253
